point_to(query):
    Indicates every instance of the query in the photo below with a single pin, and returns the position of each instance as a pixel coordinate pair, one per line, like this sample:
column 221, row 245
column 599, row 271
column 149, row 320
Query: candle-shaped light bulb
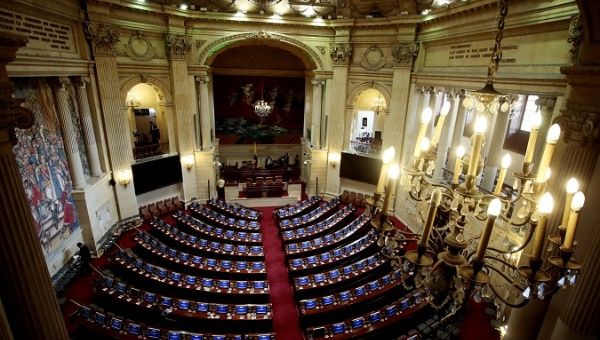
column 544, row 208
column 535, row 125
column 493, row 212
column 480, row 125
column 425, row 144
column 388, row 155
column 576, row 205
column 551, row 139
column 426, row 115
column 436, row 199
column 460, row 152
column 425, row 118
column 440, row 124
column 546, row 204
column 477, row 144
column 504, row 165
column 548, row 174
column 572, row 187
column 394, row 171
column 392, row 174
column 578, row 201
column 494, row 207
column 445, row 109
column 506, row 160
column 553, row 134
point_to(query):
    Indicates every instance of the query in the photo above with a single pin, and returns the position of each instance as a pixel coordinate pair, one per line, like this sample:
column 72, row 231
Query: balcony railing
column 368, row 148
column 150, row 150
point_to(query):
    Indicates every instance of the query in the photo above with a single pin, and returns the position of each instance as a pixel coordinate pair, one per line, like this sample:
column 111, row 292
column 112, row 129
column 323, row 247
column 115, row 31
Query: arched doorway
column 367, row 122
column 147, row 119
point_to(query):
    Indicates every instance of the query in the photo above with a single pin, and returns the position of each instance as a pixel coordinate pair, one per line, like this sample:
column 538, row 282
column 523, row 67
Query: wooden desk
column 263, row 190
column 233, row 174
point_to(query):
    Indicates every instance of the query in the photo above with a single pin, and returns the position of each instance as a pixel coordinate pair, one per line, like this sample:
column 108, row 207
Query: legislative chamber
column 260, row 170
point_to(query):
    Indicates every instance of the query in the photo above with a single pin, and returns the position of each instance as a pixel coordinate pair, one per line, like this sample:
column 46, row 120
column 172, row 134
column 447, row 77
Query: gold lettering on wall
column 467, row 51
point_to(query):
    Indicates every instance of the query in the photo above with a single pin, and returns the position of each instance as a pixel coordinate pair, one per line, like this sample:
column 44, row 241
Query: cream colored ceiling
column 313, row 8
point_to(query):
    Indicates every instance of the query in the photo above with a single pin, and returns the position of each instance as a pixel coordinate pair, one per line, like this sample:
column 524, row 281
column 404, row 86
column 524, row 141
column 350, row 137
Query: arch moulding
column 357, row 89
column 158, row 84
column 229, row 41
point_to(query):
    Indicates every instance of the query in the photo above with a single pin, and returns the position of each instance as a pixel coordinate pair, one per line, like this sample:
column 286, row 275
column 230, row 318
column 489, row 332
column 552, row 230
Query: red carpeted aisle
column 286, row 323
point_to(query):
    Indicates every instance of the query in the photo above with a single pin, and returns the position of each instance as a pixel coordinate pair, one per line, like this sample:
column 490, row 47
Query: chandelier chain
column 497, row 50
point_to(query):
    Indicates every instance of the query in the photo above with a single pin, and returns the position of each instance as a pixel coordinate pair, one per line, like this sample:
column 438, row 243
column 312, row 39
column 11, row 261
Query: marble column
column 413, row 130
column 26, row 290
column 308, row 100
column 88, row 127
column 204, row 107
column 397, row 122
column 447, row 134
column 317, row 104
column 495, row 153
column 69, row 134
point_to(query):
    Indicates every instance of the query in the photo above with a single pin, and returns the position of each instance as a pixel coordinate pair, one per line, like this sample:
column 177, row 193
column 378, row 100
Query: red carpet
column 286, row 323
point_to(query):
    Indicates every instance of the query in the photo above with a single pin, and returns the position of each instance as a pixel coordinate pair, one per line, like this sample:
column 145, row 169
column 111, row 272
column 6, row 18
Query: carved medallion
column 139, row 47
column 373, row 59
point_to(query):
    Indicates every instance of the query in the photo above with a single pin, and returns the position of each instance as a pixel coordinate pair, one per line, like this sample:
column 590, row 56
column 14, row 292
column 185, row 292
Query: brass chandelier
column 452, row 259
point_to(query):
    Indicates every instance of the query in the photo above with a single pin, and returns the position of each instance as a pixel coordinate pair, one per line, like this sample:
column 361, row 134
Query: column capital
column 318, row 82
column 81, row 81
column 580, row 123
column 104, row 38
column 202, row 79
column 340, row 53
column 546, row 103
column 405, row 52
column 178, row 45
column 63, row 82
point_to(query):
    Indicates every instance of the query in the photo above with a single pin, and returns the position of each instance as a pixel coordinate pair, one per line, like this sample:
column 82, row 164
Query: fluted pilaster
column 69, row 134
column 88, row 127
column 25, row 288
column 204, row 106
column 315, row 133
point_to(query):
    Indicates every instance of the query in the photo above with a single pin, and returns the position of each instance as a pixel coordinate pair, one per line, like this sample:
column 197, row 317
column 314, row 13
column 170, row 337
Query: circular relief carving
column 373, row 58
column 139, row 47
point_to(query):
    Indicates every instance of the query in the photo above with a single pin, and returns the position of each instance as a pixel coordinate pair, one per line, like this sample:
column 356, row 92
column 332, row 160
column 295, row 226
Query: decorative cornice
column 340, row 53
column 104, row 38
column 178, row 45
column 405, row 52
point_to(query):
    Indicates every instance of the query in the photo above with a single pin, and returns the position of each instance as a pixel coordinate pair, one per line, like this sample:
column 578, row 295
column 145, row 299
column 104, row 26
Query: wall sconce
column 188, row 161
column 334, row 158
column 124, row 177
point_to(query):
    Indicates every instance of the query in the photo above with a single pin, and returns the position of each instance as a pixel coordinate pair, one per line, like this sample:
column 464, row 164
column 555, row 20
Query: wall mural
column 42, row 162
column 235, row 120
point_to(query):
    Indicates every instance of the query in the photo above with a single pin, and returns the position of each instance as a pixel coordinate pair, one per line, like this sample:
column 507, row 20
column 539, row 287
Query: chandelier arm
column 518, row 249
column 516, row 224
column 506, row 302
column 506, row 263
